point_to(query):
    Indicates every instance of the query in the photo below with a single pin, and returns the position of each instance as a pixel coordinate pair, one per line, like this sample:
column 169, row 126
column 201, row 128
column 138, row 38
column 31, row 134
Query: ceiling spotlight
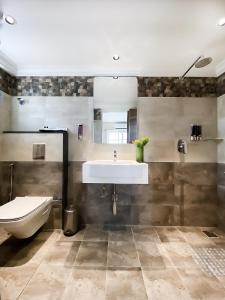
column 116, row 57
column 115, row 77
column 10, row 20
column 221, row 22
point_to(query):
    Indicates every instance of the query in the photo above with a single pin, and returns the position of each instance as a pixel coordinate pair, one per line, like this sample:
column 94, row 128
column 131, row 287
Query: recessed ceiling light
column 221, row 22
column 116, row 57
column 10, row 20
column 115, row 77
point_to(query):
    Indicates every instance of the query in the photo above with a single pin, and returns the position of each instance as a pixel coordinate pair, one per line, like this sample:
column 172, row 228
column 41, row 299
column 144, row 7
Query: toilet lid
column 21, row 207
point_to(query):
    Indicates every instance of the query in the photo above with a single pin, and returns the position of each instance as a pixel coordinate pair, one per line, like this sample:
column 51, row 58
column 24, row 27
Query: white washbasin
column 115, row 172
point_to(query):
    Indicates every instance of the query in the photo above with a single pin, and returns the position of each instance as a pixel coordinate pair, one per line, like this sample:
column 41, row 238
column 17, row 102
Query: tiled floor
column 114, row 263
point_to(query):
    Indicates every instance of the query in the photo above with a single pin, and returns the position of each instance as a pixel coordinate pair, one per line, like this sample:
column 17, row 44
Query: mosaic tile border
column 55, row 86
column 83, row 86
column 173, row 87
column 221, row 85
column 8, row 83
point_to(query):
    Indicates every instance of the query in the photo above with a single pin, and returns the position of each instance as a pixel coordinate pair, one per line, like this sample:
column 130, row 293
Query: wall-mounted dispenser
column 196, row 132
column 21, row 100
column 80, row 131
column 182, row 146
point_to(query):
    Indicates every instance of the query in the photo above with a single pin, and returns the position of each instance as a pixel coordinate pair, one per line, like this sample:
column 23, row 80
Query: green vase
column 139, row 154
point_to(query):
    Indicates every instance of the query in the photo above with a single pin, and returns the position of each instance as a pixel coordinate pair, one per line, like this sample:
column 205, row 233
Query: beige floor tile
column 14, row 279
column 16, row 252
column 48, row 282
column 194, row 236
column 151, row 255
column 164, row 284
column 202, row 286
column 95, row 233
column 76, row 237
column 122, row 254
column 62, row 253
column 125, row 284
column 181, row 254
column 145, row 234
column 169, row 234
column 93, row 254
column 86, row 284
column 48, row 235
column 122, row 234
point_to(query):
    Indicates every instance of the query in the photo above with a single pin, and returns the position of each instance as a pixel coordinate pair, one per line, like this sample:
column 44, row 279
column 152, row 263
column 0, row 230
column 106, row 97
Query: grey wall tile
column 196, row 173
column 221, row 85
column 197, row 215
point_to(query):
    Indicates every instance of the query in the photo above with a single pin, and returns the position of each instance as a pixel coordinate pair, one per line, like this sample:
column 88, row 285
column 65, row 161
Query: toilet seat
column 21, row 207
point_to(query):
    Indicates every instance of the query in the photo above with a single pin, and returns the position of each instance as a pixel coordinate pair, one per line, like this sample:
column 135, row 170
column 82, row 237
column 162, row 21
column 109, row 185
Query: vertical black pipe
column 65, row 174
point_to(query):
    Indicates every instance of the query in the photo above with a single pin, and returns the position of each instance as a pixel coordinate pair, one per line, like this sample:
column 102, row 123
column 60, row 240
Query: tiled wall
column 34, row 179
column 55, row 86
column 8, row 83
column 173, row 87
column 165, row 120
column 221, row 85
column 182, row 189
column 221, row 194
column 221, row 159
column 83, row 86
column 177, row 194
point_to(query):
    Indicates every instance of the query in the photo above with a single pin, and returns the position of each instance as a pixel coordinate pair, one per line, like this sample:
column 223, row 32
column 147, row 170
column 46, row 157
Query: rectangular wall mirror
column 115, row 110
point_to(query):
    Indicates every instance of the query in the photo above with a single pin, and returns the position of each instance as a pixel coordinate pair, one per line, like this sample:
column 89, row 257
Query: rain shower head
column 200, row 62
column 203, row 62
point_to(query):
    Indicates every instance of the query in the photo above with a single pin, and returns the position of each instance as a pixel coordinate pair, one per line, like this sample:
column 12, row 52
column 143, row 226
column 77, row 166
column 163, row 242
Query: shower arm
column 182, row 77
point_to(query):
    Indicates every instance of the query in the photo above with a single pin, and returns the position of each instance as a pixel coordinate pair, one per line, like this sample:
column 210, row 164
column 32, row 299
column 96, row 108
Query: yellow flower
column 142, row 141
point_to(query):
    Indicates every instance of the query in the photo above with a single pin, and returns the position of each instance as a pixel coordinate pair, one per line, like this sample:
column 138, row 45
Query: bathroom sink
column 115, row 172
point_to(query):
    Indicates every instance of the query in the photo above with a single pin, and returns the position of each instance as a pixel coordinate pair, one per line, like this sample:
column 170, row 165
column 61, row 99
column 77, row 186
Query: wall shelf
column 208, row 139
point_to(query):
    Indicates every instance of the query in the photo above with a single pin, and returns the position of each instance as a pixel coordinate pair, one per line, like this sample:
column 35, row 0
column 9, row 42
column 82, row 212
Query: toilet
column 23, row 216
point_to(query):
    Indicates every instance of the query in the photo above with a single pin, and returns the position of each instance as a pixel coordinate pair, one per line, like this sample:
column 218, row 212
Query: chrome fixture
column 11, row 167
column 115, row 155
column 21, row 101
column 7, row 18
column 203, row 62
column 182, row 146
column 200, row 62
column 221, row 22
column 114, row 200
column 116, row 57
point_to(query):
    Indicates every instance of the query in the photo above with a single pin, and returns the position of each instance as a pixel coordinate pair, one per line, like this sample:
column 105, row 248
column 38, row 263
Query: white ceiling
column 79, row 37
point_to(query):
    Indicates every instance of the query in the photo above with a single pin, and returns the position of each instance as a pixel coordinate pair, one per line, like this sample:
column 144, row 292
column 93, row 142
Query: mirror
column 115, row 110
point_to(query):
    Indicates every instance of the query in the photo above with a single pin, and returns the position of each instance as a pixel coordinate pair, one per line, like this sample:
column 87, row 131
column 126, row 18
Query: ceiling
column 79, row 37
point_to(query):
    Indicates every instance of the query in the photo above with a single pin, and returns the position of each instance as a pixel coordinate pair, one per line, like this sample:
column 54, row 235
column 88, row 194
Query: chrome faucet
column 114, row 155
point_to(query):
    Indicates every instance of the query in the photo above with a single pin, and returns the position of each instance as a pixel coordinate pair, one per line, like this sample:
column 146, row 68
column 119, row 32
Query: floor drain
column 210, row 234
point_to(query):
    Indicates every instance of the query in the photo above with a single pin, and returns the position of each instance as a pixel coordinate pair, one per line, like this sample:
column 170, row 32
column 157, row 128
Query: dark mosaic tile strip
column 55, row 86
column 221, row 85
column 173, row 87
column 83, row 86
column 8, row 83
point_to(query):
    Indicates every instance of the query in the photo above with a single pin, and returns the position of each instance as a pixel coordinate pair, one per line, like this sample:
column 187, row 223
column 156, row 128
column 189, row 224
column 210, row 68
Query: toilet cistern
column 115, row 155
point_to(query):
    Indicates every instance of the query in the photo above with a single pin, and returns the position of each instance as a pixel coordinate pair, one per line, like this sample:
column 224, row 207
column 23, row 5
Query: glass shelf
column 207, row 139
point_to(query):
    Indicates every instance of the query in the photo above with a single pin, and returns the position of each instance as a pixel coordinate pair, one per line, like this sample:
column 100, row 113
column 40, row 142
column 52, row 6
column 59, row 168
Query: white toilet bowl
column 23, row 216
